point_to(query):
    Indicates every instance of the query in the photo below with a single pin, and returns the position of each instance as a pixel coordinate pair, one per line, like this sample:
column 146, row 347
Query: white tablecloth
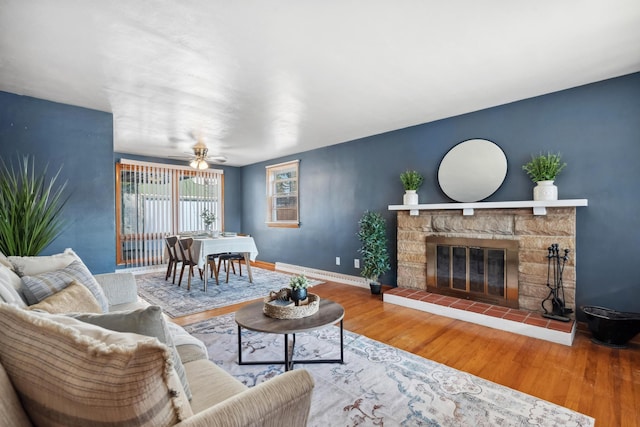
column 242, row 244
column 206, row 246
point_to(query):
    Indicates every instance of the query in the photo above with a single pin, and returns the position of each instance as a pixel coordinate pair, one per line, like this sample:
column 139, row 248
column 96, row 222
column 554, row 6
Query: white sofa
column 217, row 398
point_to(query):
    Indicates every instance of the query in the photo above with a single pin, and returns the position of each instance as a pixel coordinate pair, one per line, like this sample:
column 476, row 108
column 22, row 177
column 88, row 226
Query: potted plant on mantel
column 543, row 170
column 375, row 258
column 411, row 181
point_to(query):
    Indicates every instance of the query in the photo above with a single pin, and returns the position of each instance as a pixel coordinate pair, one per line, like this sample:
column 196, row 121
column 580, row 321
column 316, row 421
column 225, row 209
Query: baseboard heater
column 323, row 275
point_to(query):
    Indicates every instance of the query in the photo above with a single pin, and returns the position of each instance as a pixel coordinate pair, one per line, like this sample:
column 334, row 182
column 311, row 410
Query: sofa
column 79, row 349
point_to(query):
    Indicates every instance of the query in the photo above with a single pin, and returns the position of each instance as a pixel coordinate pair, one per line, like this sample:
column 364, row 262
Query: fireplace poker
column 556, row 292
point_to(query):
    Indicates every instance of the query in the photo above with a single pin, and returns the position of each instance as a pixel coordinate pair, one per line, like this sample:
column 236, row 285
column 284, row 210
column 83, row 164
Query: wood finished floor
column 601, row 382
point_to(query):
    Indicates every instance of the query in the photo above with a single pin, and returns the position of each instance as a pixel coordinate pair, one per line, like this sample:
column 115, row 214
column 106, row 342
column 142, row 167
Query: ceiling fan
column 200, row 158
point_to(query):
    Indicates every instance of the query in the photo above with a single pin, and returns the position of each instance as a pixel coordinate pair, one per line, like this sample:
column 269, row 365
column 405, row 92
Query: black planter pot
column 376, row 288
column 298, row 295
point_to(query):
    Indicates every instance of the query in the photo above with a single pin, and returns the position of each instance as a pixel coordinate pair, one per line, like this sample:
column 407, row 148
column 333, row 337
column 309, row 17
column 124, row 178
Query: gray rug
column 378, row 384
column 177, row 301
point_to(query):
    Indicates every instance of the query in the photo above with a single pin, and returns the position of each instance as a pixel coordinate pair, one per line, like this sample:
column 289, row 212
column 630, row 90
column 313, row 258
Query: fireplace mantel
column 539, row 206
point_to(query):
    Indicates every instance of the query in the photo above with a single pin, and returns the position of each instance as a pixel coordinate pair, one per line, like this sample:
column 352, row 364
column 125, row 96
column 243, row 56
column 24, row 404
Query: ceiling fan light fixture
column 199, row 163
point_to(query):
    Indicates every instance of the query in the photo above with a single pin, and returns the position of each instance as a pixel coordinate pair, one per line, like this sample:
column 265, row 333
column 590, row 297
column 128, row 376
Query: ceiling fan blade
column 184, row 157
column 217, row 159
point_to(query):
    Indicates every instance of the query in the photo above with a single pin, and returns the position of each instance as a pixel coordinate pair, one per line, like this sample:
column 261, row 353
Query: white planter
column 545, row 190
column 410, row 197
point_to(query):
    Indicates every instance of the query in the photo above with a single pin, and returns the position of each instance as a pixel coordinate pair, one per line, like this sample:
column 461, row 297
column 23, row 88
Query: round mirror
column 472, row 170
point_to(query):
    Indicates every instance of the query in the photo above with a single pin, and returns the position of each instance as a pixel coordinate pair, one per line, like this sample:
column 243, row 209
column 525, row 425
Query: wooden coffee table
column 252, row 318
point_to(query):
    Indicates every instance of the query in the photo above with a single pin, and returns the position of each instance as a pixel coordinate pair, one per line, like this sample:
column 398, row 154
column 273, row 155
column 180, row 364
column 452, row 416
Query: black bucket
column 610, row 327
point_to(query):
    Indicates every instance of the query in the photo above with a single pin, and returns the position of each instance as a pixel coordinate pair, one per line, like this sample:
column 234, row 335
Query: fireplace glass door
column 473, row 269
column 470, row 269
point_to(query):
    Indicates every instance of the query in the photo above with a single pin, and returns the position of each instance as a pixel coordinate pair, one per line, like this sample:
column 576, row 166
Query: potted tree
column 298, row 285
column 375, row 258
column 411, row 181
column 543, row 170
column 30, row 208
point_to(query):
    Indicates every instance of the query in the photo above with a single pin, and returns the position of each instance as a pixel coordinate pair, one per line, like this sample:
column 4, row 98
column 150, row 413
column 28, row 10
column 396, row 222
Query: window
column 282, row 195
column 156, row 200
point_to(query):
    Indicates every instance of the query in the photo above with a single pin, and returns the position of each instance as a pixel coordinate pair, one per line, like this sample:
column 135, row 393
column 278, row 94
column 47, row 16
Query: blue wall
column 81, row 142
column 596, row 128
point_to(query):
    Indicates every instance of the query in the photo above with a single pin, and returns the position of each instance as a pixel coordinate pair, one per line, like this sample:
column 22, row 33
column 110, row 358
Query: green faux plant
column 299, row 282
column 411, row 180
column 373, row 236
column 544, row 167
column 30, row 208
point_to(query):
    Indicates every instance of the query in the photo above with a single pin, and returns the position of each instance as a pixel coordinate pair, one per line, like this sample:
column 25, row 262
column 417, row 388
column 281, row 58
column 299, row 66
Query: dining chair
column 211, row 260
column 187, row 260
column 172, row 242
column 228, row 260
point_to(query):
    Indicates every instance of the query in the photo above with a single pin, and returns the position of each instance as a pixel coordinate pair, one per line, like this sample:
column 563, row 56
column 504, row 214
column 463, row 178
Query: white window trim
column 283, row 223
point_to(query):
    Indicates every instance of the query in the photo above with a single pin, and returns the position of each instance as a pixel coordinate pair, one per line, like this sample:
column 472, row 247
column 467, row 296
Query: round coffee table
column 252, row 318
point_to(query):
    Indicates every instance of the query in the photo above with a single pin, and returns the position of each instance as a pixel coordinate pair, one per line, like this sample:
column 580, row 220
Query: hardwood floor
column 598, row 381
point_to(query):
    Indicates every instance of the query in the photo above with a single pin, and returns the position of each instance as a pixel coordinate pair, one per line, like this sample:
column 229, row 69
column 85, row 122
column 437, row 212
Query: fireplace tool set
column 555, row 269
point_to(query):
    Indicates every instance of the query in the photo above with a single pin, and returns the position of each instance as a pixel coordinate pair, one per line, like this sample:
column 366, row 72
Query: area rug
column 379, row 384
column 176, row 301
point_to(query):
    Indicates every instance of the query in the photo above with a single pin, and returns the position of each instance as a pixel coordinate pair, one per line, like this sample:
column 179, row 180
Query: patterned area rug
column 378, row 384
column 177, row 301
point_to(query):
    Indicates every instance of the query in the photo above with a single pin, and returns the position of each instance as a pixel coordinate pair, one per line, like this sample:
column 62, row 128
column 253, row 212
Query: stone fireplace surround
column 534, row 233
column 535, row 225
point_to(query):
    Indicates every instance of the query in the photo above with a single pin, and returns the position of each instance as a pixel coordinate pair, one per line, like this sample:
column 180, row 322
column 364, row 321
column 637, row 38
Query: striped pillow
column 70, row 373
column 75, row 298
column 147, row 321
column 37, row 288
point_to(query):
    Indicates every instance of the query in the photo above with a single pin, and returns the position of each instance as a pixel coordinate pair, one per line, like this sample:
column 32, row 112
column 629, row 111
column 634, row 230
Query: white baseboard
column 323, row 275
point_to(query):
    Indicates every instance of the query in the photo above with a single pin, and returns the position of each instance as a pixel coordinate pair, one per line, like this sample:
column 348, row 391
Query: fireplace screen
column 478, row 269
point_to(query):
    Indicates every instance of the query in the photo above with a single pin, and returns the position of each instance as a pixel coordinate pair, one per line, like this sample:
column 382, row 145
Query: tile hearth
column 521, row 322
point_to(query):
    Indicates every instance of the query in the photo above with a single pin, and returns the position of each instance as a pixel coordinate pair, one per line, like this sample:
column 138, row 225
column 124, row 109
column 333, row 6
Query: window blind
column 158, row 200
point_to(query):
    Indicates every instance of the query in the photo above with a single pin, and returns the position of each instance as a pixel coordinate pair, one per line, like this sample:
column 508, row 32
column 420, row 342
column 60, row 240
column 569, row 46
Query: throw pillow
column 11, row 409
column 144, row 321
column 37, row 288
column 5, row 261
column 75, row 298
column 70, row 373
column 9, row 285
column 32, row 265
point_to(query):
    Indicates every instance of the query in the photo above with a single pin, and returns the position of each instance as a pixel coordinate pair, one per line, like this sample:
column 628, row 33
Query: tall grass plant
column 30, row 207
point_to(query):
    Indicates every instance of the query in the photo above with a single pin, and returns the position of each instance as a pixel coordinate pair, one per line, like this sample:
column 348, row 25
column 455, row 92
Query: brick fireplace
column 533, row 234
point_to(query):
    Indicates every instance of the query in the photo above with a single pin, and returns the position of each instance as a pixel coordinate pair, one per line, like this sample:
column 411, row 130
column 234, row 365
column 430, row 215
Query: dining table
column 204, row 246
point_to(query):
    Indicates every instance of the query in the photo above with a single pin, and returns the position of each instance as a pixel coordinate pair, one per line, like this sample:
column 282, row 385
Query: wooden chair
column 171, row 243
column 211, row 260
column 187, row 260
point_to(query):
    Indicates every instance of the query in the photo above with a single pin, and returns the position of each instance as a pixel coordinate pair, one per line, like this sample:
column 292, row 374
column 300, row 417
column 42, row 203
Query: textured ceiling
column 256, row 80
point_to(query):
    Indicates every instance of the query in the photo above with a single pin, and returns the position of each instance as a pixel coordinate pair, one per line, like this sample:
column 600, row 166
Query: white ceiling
column 256, row 80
